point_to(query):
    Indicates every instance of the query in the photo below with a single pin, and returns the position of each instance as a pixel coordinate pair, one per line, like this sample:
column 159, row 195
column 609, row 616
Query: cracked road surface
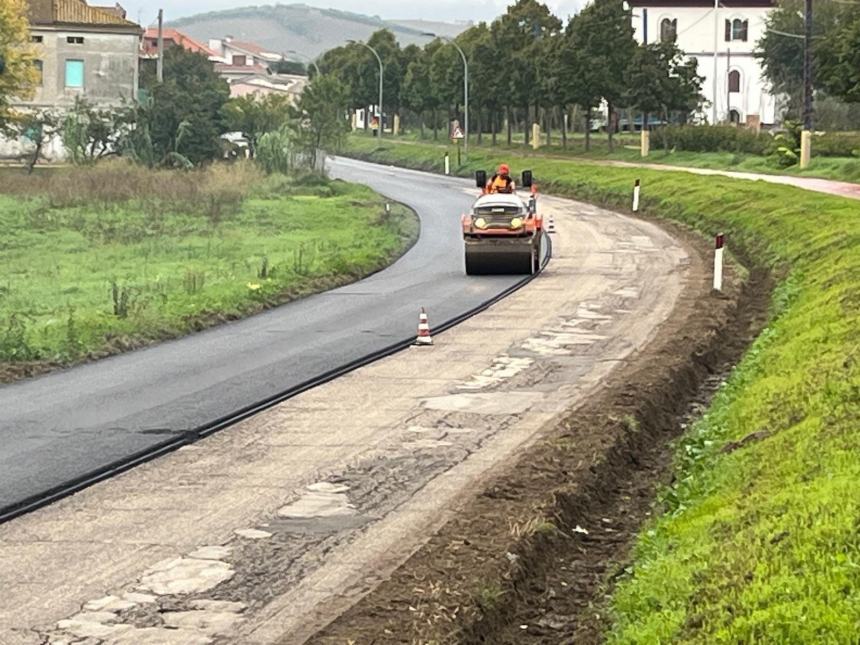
column 267, row 531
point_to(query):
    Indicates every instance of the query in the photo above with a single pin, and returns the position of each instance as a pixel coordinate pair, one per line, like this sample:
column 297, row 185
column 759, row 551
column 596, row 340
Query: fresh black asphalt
column 65, row 425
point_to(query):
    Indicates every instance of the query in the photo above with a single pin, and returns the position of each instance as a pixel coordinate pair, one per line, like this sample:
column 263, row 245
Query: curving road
column 68, row 424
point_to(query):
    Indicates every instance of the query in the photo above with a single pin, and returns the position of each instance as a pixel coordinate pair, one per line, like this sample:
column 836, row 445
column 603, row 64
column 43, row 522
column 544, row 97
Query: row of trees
column 835, row 51
column 525, row 66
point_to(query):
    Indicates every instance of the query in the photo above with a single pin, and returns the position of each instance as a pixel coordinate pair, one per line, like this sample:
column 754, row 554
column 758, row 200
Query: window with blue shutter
column 75, row 74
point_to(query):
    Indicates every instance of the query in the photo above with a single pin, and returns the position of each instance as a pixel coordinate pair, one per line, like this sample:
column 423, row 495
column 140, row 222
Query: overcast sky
column 446, row 10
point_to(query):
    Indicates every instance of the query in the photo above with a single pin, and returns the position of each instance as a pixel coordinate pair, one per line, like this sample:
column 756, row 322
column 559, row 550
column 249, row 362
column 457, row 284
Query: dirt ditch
column 532, row 558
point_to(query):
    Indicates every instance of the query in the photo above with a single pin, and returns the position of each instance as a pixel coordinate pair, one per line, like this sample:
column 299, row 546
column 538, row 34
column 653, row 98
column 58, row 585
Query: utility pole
column 728, row 81
column 806, row 134
column 644, row 133
column 716, row 56
column 160, row 63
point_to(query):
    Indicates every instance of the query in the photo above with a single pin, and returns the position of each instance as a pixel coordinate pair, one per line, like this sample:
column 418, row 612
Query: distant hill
column 305, row 29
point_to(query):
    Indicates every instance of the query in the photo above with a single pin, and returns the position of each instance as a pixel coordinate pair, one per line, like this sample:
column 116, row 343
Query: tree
column 321, row 118
column 416, row 92
column 19, row 75
column 293, row 67
column 839, row 62
column 192, row 94
column 40, row 127
column 602, row 45
column 255, row 116
column 780, row 50
column 579, row 79
column 517, row 37
column 661, row 80
column 90, row 133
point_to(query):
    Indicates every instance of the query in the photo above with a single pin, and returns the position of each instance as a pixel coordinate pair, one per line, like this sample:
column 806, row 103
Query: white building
column 738, row 91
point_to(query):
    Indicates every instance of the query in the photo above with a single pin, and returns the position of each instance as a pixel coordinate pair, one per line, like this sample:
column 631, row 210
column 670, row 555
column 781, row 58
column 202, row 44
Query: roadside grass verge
column 99, row 260
column 758, row 538
column 627, row 149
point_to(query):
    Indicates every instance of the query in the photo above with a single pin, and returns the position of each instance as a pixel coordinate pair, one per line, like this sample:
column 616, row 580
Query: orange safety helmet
column 504, row 169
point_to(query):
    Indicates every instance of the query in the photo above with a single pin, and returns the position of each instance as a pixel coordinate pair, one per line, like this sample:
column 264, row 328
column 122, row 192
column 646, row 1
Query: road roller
column 502, row 231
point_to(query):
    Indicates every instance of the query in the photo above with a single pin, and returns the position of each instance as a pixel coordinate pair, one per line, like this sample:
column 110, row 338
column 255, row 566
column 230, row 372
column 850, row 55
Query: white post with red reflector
column 636, row 188
column 719, row 247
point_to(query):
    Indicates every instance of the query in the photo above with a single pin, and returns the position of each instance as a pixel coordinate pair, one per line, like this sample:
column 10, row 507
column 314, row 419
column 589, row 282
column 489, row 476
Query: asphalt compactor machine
column 503, row 232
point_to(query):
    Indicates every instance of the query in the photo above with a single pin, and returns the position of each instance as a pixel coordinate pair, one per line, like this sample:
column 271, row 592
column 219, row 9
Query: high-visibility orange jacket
column 501, row 184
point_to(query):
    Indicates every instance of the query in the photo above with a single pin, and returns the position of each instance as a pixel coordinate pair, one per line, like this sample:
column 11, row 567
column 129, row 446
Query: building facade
column 83, row 52
column 721, row 35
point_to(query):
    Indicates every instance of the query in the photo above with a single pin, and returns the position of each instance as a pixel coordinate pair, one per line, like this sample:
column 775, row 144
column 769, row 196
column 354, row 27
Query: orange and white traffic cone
column 423, row 337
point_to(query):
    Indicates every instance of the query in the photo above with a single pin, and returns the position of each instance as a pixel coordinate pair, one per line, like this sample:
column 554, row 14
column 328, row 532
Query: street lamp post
column 381, row 73
column 716, row 59
column 307, row 58
column 465, row 83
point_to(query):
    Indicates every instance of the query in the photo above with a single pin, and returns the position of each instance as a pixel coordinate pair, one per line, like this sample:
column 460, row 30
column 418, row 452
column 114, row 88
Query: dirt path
column 828, row 186
column 271, row 529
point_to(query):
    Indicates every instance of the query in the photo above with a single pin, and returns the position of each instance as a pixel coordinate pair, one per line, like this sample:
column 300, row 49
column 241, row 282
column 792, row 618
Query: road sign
column 458, row 134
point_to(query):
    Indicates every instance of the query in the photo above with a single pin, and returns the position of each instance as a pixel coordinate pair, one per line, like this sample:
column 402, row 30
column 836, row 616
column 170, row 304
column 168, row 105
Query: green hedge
column 837, row 144
column 759, row 543
column 719, row 138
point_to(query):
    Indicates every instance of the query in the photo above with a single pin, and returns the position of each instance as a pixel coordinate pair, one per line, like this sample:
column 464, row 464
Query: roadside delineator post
column 636, row 188
column 719, row 247
column 550, row 225
column 447, row 164
column 424, row 338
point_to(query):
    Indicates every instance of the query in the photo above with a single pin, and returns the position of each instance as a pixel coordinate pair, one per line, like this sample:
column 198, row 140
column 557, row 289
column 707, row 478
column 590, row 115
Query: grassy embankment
column 627, row 149
column 759, row 538
column 98, row 260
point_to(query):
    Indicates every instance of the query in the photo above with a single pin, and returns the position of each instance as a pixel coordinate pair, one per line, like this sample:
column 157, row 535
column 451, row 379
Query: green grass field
column 94, row 261
column 627, row 149
column 758, row 541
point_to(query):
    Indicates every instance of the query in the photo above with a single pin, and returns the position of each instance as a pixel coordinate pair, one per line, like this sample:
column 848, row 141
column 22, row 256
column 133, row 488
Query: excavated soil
column 532, row 558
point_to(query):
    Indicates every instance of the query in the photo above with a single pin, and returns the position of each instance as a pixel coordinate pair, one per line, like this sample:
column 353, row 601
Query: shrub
column 274, row 152
column 715, row 138
column 836, row 144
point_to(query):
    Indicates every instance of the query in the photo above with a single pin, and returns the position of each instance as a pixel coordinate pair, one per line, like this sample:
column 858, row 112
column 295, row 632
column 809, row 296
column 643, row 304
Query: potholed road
column 65, row 425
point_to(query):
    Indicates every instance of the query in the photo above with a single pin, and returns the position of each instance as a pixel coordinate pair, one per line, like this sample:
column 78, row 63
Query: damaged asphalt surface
column 268, row 531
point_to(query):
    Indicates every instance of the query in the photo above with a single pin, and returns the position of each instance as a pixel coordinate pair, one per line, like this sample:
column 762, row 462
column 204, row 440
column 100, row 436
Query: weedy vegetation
column 100, row 259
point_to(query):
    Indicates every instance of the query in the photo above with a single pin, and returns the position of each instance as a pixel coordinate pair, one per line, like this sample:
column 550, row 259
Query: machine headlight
column 517, row 222
column 481, row 223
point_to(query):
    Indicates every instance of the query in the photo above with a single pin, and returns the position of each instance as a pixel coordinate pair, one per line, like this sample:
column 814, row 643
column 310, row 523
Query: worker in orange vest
column 501, row 182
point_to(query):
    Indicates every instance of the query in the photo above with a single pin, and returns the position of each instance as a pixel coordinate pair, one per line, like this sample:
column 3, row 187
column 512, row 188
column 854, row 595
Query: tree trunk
column 509, row 119
column 366, row 119
column 588, row 129
column 526, row 124
column 480, row 120
column 494, row 124
column 610, row 124
column 421, row 124
column 547, row 118
column 563, row 111
column 435, row 125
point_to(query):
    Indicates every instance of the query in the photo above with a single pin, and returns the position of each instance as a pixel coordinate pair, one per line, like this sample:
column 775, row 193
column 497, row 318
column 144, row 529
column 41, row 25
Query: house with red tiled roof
column 173, row 38
column 82, row 51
